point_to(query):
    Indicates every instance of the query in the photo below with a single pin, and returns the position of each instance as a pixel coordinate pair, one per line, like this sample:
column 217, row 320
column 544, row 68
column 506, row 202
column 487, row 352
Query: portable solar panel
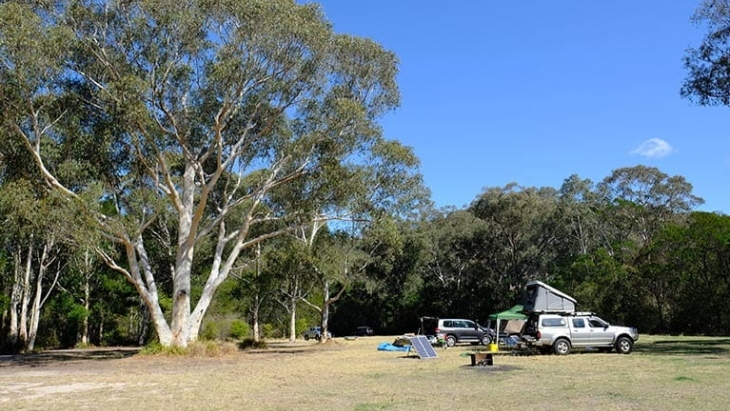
column 422, row 346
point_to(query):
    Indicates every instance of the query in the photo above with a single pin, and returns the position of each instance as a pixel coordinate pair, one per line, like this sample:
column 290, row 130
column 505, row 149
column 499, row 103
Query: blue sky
column 532, row 92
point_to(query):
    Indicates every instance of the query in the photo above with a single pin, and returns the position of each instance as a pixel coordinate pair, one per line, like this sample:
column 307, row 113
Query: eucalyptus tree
column 291, row 263
column 202, row 110
column 520, row 237
column 696, row 257
column 708, row 77
column 643, row 199
column 448, row 261
column 579, row 209
column 342, row 258
column 34, row 229
column 344, row 236
column 388, row 295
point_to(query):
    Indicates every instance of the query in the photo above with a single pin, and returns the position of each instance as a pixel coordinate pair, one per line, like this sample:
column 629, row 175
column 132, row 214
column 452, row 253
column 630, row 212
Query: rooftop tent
column 540, row 297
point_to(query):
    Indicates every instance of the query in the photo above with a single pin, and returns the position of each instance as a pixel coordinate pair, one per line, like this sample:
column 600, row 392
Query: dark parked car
column 456, row 330
column 364, row 331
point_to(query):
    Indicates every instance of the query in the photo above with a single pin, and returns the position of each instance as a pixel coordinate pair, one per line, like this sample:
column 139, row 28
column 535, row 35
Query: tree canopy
column 176, row 170
column 708, row 65
column 223, row 117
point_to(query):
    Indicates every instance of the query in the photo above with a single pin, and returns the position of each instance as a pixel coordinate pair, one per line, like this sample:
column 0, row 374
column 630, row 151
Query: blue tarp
column 386, row 346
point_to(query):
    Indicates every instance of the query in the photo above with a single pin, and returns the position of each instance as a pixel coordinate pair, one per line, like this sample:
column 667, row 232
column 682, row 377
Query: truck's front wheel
column 561, row 347
column 624, row 345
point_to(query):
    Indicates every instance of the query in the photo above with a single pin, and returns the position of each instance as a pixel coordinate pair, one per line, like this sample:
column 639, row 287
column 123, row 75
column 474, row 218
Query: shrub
column 155, row 348
column 271, row 331
column 210, row 331
column 250, row 343
column 239, row 329
column 196, row 349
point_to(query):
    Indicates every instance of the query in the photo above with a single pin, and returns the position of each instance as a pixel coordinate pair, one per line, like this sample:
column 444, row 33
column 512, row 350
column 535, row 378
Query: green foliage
column 269, row 330
column 195, row 349
column 210, row 331
column 239, row 329
column 297, row 106
column 155, row 348
column 302, row 324
column 708, row 78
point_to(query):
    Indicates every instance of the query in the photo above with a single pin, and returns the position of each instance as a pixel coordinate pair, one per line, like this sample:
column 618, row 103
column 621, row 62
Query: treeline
column 630, row 248
column 172, row 170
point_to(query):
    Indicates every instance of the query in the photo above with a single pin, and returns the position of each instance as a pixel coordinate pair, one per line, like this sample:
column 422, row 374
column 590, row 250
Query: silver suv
column 457, row 330
column 560, row 333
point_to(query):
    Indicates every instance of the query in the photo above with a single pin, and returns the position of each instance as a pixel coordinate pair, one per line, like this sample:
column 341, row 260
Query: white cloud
column 653, row 148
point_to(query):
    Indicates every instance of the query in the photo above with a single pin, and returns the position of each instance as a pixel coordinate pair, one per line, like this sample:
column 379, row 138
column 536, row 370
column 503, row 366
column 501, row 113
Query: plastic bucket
column 493, row 347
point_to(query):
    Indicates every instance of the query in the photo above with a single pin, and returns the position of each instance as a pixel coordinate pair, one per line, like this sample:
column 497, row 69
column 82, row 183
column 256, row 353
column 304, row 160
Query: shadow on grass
column 682, row 346
column 287, row 347
column 496, row 368
column 58, row 356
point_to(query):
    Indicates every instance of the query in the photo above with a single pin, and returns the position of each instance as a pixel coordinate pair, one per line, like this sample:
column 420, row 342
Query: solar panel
column 423, row 346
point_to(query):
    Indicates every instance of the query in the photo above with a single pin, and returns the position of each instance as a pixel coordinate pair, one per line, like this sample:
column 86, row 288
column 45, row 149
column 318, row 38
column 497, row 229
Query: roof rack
column 563, row 313
column 574, row 313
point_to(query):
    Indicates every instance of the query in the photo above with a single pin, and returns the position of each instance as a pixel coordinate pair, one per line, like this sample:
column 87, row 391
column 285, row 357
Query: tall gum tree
column 708, row 65
column 203, row 110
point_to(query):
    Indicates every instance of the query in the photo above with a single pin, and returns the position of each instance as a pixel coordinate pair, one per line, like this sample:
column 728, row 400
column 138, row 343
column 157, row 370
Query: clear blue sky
column 532, row 92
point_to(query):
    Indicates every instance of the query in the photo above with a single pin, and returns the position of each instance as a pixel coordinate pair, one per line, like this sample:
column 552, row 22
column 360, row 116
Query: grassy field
column 663, row 373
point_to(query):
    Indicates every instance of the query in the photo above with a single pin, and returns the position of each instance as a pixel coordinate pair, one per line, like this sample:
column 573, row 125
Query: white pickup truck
column 560, row 333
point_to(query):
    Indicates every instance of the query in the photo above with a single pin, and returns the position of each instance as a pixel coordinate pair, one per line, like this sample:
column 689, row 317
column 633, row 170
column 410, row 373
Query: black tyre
column 561, row 347
column 624, row 345
column 486, row 339
column 306, row 337
column 450, row 341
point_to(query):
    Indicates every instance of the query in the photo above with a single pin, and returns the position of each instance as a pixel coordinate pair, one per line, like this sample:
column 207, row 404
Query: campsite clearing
column 667, row 373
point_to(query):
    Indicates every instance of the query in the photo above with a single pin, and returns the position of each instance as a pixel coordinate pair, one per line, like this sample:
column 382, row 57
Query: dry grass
column 665, row 373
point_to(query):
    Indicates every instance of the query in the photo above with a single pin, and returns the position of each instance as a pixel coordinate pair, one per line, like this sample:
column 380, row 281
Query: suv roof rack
column 563, row 313
column 556, row 312
column 574, row 313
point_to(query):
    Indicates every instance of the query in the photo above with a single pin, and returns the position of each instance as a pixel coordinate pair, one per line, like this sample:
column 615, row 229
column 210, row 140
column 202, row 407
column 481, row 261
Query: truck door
column 601, row 334
column 580, row 332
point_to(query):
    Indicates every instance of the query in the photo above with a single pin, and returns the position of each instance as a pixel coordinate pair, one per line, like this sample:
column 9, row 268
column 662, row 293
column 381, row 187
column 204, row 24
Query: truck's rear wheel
column 624, row 345
column 561, row 347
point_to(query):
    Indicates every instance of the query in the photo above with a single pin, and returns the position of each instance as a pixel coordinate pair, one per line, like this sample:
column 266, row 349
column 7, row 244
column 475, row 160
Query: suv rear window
column 553, row 322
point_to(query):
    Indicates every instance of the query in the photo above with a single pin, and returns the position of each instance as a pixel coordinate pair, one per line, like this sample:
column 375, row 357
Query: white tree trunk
column 85, row 325
column 293, row 319
column 325, row 312
column 146, row 286
column 25, row 296
column 87, row 267
column 35, row 311
column 15, row 299
column 255, row 318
